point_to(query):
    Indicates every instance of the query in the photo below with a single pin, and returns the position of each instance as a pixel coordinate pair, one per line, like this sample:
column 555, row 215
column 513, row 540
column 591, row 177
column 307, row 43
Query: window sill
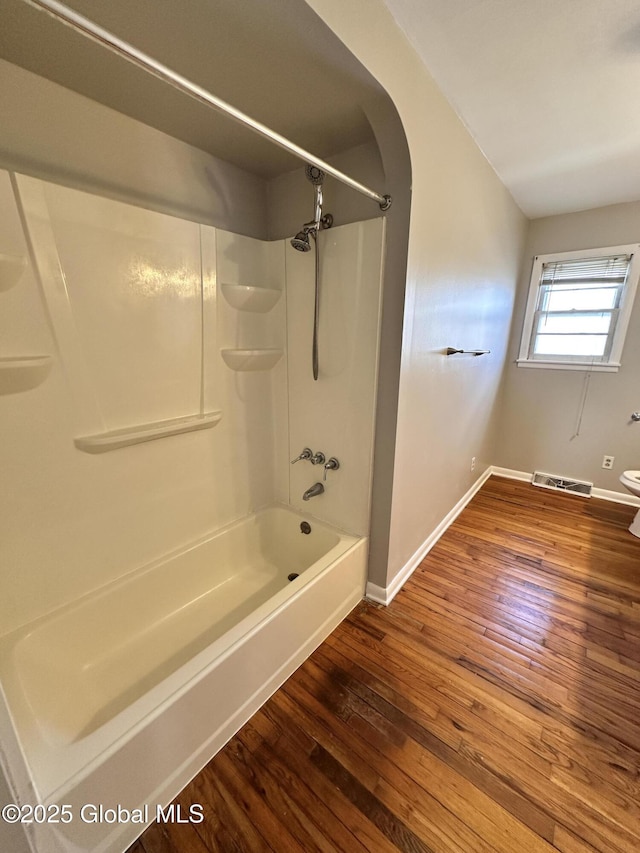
column 612, row 367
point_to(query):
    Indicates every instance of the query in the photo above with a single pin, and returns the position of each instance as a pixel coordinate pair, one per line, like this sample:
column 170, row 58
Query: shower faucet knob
column 331, row 465
column 318, row 458
column 307, row 453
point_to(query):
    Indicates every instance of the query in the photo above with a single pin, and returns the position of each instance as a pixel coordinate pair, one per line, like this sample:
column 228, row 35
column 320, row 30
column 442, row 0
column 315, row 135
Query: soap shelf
column 114, row 439
column 246, row 298
column 11, row 269
column 23, row 372
column 251, row 359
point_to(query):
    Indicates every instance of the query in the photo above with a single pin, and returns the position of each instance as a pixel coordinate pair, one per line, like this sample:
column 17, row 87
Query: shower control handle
column 331, row 465
column 318, row 458
column 635, row 416
column 307, row 453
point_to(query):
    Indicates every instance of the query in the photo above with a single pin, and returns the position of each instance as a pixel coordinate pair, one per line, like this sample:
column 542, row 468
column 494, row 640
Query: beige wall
column 541, row 408
column 465, row 244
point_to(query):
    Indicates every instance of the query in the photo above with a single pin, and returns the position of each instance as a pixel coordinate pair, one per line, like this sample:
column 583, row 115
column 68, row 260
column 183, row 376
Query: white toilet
column 631, row 481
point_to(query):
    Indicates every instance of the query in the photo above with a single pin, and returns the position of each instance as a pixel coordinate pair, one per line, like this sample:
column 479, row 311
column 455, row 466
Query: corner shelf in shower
column 251, row 359
column 23, row 372
column 104, row 441
column 244, row 297
column 11, row 269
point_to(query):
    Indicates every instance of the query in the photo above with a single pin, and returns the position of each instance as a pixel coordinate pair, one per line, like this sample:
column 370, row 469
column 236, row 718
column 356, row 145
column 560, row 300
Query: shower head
column 314, row 174
column 301, row 241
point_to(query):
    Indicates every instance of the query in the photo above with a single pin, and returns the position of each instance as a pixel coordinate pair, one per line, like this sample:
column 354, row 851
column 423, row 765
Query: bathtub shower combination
column 187, row 568
column 157, row 670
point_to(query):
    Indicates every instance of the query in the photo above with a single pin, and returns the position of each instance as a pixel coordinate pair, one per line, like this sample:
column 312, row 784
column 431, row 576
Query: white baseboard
column 604, row 494
column 385, row 595
column 512, row 474
column 616, row 497
column 376, row 593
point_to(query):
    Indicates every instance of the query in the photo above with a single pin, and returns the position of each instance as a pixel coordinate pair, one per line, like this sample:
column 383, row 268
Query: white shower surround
column 160, row 494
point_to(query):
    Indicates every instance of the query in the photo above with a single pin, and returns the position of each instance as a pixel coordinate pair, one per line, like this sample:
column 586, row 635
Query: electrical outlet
column 473, row 463
column 607, row 462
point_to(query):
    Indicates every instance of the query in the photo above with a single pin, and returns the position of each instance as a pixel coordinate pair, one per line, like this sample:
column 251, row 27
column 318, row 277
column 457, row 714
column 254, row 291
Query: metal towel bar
column 454, row 351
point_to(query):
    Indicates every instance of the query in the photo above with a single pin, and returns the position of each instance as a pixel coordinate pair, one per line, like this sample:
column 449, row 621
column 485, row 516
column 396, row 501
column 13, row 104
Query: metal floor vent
column 561, row 484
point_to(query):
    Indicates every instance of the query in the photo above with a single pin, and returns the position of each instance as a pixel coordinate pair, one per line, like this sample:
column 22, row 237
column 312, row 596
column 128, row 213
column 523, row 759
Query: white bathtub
column 121, row 697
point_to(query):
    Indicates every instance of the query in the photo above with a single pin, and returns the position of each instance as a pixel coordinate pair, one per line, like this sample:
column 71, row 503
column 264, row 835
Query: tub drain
column 292, row 576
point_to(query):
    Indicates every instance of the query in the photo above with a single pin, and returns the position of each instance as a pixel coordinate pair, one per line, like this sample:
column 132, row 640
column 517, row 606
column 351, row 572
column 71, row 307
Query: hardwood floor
column 493, row 706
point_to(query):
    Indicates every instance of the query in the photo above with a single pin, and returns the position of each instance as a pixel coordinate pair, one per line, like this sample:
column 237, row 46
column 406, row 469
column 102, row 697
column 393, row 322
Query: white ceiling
column 549, row 89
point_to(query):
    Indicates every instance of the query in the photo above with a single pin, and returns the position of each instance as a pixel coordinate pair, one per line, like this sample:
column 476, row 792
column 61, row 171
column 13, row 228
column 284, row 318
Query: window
column 578, row 308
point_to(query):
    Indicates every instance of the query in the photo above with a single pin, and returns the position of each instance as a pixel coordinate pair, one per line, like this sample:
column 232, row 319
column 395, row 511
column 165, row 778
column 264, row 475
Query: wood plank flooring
column 493, row 706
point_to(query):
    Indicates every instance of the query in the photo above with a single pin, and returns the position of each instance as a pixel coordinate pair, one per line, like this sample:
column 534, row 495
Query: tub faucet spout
column 316, row 489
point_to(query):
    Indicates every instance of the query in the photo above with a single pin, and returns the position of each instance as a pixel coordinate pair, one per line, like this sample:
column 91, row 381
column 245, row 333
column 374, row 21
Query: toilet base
column 634, row 527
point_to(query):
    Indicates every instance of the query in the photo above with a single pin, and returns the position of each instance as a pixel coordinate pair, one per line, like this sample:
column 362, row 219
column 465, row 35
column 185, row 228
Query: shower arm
column 122, row 48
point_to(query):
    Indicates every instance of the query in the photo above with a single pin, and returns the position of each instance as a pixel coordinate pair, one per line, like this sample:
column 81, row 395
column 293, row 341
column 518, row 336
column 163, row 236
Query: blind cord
column 583, row 403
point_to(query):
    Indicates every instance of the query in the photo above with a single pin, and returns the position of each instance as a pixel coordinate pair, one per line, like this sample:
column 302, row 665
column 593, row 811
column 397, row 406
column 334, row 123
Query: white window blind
column 577, row 308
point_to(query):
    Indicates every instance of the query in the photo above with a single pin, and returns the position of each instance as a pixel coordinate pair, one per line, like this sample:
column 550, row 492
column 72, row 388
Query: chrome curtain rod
column 131, row 54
